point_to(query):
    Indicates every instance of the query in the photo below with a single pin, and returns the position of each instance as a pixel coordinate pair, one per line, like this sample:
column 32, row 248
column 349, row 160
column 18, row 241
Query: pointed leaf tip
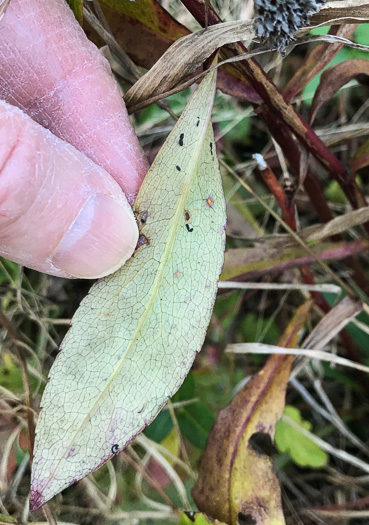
column 135, row 336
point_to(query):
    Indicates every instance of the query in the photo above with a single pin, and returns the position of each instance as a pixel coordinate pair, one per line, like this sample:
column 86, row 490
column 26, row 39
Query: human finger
column 50, row 70
column 60, row 213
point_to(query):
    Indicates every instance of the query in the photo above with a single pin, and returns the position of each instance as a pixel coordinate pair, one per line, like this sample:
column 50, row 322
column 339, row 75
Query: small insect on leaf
column 135, row 336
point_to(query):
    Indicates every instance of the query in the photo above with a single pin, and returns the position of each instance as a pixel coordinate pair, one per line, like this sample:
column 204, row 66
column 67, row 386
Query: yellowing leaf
column 237, row 482
column 190, row 518
column 136, row 334
column 172, row 443
column 302, row 450
column 7, row 520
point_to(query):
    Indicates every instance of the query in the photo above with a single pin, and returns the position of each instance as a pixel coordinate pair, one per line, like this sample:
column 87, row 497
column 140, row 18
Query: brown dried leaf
column 336, row 226
column 145, row 30
column 184, row 57
column 349, row 11
column 332, row 323
column 238, row 226
column 235, row 480
column 328, row 327
column 335, row 77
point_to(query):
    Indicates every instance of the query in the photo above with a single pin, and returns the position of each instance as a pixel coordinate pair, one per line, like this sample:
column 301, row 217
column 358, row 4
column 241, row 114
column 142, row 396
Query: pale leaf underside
column 136, row 334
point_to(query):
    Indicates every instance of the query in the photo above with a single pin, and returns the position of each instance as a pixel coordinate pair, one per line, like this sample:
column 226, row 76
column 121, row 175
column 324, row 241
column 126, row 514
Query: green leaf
column 195, row 422
column 10, row 374
column 302, row 450
column 263, row 330
column 5, row 519
column 190, row 518
column 160, row 427
column 136, row 334
column 77, row 8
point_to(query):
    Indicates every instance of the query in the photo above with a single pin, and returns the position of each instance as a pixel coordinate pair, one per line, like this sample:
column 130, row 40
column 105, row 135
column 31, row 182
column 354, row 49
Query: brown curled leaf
column 145, row 30
column 335, row 77
column 347, row 12
column 336, row 226
column 235, row 480
column 184, row 57
column 316, row 61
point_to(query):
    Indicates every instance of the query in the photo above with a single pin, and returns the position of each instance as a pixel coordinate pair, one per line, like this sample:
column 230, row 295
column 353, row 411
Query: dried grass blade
column 333, row 322
column 311, row 353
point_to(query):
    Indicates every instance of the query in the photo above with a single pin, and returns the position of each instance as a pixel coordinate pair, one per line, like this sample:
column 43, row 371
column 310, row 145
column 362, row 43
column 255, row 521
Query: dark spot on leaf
column 181, row 137
column 209, row 201
column 198, row 122
column 142, row 240
column 245, row 519
column 261, row 443
column 143, row 217
column 187, row 215
column 211, row 147
column 188, row 228
column 178, row 168
column 114, row 449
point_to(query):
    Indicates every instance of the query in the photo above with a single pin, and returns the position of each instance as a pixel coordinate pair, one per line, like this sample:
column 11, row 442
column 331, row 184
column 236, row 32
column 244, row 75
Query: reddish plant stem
column 284, row 138
column 361, row 503
column 288, row 210
column 286, row 204
column 283, row 110
column 316, row 196
column 314, row 191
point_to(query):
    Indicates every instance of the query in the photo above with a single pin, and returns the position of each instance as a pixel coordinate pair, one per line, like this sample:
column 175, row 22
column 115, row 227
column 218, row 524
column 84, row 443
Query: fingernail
column 100, row 240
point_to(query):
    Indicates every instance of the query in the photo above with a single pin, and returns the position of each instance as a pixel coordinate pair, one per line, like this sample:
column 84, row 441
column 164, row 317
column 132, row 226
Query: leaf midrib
column 160, row 274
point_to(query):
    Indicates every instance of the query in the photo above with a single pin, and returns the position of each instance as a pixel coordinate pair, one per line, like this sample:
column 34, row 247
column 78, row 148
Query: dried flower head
column 277, row 20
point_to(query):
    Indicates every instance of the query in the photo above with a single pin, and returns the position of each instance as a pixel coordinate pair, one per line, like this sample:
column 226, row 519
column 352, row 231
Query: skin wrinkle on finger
column 49, row 69
column 44, row 185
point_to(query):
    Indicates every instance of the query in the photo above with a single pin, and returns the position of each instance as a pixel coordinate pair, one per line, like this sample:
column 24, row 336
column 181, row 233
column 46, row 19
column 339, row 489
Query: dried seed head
column 277, row 20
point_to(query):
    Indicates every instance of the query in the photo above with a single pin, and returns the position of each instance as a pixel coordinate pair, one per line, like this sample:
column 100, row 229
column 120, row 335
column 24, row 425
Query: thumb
column 59, row 212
